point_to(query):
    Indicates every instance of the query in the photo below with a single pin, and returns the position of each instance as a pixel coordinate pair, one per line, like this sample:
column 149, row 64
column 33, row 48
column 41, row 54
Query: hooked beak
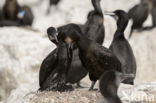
column 113, row 15
column 53, row 39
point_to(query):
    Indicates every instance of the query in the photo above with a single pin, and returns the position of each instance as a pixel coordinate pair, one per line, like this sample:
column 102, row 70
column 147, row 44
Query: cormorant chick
column 10, row 9
column 94, row 27
column 56, row 81
column 109, row 84
column 50, row 62
column 121, row 47
column 139, row 14
column 96, row 58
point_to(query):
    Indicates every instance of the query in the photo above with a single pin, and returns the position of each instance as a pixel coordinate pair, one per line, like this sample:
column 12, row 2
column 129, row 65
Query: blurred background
column 22, row 50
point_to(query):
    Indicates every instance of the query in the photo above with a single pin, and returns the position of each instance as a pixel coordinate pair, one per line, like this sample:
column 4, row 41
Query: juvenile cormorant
column 109, row 84
column 96, row 58
column 56, row 81
column 50, row 62
column 121, row 47
column 139, row 14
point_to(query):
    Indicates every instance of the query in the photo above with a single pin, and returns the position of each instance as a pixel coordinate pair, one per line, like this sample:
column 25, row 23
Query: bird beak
column 113, row 15
column 54, row 39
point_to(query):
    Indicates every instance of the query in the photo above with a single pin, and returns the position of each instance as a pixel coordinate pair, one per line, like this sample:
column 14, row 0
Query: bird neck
column 121, row 26
column 118, row 33
column 97, row 6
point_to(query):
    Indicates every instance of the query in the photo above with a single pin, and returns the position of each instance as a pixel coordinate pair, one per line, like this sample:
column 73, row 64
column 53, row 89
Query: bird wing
column 47, row 66
column 105, row 57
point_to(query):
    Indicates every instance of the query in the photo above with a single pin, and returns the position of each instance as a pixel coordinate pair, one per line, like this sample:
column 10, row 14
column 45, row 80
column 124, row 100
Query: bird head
column 52, row 35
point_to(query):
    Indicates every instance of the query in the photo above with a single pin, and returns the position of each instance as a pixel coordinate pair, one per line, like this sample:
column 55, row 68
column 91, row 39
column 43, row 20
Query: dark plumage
column 94, row 27
column 96, row 58
column 121, row 47
column 109, row 84
column 76, row 71
column 10, row 9
column 49, row 63
column 139, row 14
column 25, row 16
column 94, row 21
column 56, row 81
column 47, row 66
column 4, row 22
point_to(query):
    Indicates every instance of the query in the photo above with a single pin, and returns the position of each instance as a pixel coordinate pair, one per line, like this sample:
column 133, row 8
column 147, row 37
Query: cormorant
column 96, row 58
column 121, row 47
column 50, row 62
column 10, row 10
column 94, row 27
column 109, row 84
column 139, row 14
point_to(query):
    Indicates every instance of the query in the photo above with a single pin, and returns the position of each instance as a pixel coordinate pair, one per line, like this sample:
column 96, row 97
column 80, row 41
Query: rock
column 20, row 57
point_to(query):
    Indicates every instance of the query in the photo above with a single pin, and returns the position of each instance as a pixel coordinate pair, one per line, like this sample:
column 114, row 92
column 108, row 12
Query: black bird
column 50, row 62
column 94, row 27
column 121, row 47
column 94, row 30
column 25, row 16
column 75, row 72
column 109, row 84
column 96, row 58
column 10, row 9
column 56, row 81
column 139, row 14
